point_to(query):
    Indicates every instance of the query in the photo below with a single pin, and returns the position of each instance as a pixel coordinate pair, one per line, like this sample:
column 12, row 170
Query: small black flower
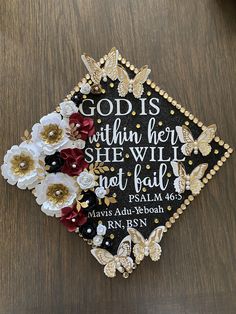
column 88, row 230
column 55, row 162
column 90, row 198
column 77, row 98
column 107, row 243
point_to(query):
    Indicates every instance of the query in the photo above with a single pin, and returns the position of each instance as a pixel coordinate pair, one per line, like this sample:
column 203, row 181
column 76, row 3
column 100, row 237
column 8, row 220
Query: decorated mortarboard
column 117, row 162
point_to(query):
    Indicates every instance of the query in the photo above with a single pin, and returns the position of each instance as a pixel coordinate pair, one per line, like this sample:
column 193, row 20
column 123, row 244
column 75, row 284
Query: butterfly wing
column 124, row 248
column 126, row 262
column 102, row 256
column 195, row 178
column 105, row 258
column 205, row 138
column 139, row 79
column 110, row 66
column 180, row 173
column 156, row 235
column 153, row 240
column 94, row 69
column 154, row 251
column 110, row 269
column 185, row 136
column 136, row 236
column 123, row 86
column 139, row 241
column 139, row 252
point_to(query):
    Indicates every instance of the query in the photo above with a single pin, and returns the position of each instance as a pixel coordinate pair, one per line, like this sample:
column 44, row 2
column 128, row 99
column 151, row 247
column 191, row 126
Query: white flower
column 97, row 240
column 101, row 230
column 56, row 191
column 85, row 88
column 100, row 192
column 50, row 134
column 67, row 108
column 21, row 164
column 86, row 180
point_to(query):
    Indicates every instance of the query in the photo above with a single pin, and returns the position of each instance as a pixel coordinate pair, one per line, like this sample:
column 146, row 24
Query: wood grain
column 190, row 46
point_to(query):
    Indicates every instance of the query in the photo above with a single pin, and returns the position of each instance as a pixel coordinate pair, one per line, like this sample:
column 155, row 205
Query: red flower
column 74, row 161
column 72, row 219
column 85, row 126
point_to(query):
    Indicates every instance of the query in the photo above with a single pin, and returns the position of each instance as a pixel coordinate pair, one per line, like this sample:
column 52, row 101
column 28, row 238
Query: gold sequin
column 133, row 113
column 129, row 174
column 179, row 211
column 99, row 121
column 138, row 126
column 168, row 224
column 111, row 85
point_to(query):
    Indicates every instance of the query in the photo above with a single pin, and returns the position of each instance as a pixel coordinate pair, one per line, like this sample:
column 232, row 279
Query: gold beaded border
column 188, row 115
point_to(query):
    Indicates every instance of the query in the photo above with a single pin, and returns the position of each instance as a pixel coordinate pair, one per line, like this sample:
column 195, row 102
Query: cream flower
column 97, row 240
column 85, row 88
column 86, row 180
column 56, row 191
column 21, row 165
column 67, row 108
column 50, row 134
column 101, row 230
column 100, row 192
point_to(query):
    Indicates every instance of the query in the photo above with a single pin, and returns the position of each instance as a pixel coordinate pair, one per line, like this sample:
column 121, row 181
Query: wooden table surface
column 190, row 46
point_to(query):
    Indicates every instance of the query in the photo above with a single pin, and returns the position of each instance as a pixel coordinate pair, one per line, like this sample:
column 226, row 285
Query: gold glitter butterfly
column 121, row 262
column 97, row 72
column 134, row 85
column 200, row 144
column 146, row 247
column 185, row 181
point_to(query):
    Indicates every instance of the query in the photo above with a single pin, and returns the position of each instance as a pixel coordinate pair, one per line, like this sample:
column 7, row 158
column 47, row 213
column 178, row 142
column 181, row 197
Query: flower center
column 51, row 134
column 57, row 193
column 22, row 164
